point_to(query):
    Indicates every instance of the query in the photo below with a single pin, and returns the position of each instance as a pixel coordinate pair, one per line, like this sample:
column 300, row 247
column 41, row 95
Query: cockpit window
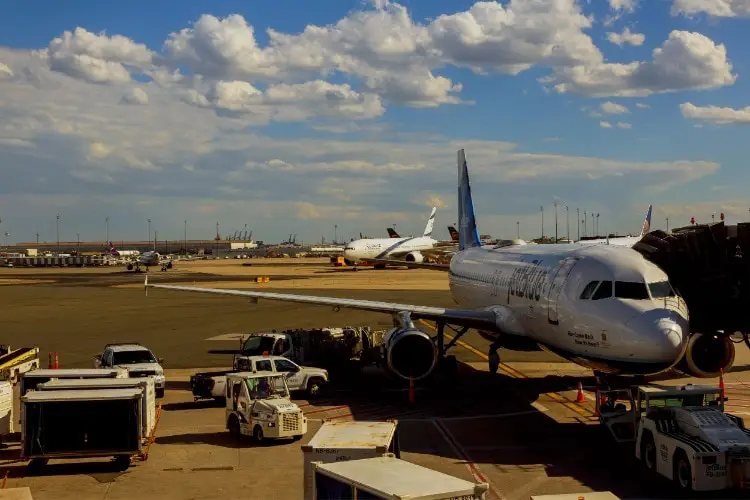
column 586, row 293
column 631, row 290
column 661, row 289
column 604, row 291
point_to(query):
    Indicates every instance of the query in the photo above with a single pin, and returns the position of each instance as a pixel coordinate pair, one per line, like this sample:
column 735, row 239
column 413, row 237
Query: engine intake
column 416, row 257
column 409, row 352
column 707, row 355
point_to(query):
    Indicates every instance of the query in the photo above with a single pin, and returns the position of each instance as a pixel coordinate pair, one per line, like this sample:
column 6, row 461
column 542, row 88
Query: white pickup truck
column 138, row 360
column 299, row 378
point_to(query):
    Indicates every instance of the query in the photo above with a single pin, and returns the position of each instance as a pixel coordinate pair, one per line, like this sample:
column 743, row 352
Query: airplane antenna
column 145, row 285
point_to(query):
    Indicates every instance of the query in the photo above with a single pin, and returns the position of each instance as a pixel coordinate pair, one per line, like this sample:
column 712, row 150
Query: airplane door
column 558, row 282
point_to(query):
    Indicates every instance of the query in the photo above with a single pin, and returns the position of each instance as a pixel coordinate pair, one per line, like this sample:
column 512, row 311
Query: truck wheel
column 648, row 452
column 234, row 427
column 159, row 393
column 683, row 474
column 314, row 387
column 258, row 433
column 297, row 438
column 36, row 465
column 122, row 462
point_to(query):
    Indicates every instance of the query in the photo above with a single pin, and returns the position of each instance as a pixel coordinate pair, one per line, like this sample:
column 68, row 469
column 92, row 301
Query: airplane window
column 631, row 290
column 604, row 291
column 661, row 289
column 586, row 293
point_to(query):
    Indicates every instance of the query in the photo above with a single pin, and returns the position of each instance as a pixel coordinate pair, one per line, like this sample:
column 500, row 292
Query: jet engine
column 414, row 257
column 707, row 354
column 409, row 352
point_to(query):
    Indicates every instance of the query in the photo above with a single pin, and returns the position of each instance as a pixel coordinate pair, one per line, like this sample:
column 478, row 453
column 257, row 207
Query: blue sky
column 350, row 113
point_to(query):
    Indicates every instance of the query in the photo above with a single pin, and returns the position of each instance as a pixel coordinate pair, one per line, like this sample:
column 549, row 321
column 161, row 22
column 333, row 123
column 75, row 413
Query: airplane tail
column 430, row 223
column 113, row 251
column 392, row 233
column 468, row 236
column 647, row 222
column 454, row 234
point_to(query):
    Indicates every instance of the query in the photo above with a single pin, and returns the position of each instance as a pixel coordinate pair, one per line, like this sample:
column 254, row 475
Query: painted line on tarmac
column 512, row 372
column 462, row 455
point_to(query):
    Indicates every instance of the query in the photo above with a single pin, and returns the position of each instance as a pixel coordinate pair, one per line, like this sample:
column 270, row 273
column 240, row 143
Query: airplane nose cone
column 671, row 334
column 661, row 336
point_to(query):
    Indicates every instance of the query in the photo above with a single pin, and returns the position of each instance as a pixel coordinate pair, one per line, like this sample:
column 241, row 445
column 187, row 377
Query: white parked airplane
column 624, row 241
column 606, row 308
column 377, row 250
column 134, row 262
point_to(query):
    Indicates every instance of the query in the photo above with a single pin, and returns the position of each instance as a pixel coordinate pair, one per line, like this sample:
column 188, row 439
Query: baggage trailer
column 388, row 478
column 343, row 441
column 591, row 495
column 81, row 424
column 14, row 363
column 681, row 433
column 31, row 379
column 148, row 402
column 6, row 409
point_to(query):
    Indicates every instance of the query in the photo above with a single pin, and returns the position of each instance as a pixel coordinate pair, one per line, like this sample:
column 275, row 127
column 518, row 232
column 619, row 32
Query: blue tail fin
column 468, row 236
column 647, row 223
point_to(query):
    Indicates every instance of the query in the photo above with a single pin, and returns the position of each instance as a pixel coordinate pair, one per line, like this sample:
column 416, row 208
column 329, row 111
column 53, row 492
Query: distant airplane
column 603, row 307
column 135, row 261
column 623, row 241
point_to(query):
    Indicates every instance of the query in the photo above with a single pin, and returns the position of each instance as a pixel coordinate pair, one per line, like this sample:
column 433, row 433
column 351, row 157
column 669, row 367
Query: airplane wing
column 459, row 317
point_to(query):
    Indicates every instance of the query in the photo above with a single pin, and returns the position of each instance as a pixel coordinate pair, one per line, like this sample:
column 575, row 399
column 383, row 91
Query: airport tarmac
column 520, row 430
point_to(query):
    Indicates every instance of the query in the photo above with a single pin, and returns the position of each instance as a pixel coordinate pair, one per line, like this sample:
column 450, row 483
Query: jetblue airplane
column 625, row 241
column 135, row 261
column 603, row 307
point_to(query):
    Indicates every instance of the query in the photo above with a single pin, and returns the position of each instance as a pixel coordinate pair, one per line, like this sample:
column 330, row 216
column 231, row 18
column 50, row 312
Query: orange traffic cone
column 721, row 385
column 580, row 398
column 411, row 390
column 57, row 364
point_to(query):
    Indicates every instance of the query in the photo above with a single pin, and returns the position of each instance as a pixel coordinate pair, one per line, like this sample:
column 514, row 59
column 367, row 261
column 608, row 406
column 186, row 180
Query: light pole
column 37, row 238
column 556, row 239
column 6, row 238
column 186, row 238
column 541, row 208
column 518, row 230
column 78, row 244
column 597, row 223
column 667, row 224
column 578, row 222
column 106, row 223
column 149, row 230
column 585, row 224
column 58, row 233
column 713, row 217
column 567, row 222
column 335, row 230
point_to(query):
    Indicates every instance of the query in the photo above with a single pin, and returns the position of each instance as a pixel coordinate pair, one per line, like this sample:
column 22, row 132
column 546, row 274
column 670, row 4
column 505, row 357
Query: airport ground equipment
column 343, row 441
column 31, row 379
column 138, row 360
column 709, row 266
column 681, row 433
column 15, row 362
column 6, row 409
column 389, row 478
column 81, row 424
column 148, row 401
column 22, row 493
column 258, row 405
column 591, row 495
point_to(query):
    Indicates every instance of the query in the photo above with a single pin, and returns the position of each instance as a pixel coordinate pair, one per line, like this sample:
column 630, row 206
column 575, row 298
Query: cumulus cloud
column 624, row 125
column 642, row 105
column 613, row 108
column 5, row 72
column 604, row 124
column 625, row 5
column 715, row 114
column 626, row 37
column 714, row 8
column 136, row 96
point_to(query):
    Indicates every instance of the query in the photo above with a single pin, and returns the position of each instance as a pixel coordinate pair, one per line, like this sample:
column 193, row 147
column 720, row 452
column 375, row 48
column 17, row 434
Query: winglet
column 430, row 223
column 145, row 285
column 647, row 223
column 468, row 235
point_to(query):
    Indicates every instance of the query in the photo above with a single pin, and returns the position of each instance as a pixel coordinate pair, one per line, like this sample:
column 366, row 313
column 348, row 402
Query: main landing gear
column 447, row 364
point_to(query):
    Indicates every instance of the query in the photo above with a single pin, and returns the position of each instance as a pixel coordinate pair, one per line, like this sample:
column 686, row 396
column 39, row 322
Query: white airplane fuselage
column 625, row 241
column 383, row 248
column 535, row 291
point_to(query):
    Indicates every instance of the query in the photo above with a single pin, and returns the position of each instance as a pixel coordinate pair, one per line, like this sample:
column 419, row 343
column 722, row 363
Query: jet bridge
column 706, row 265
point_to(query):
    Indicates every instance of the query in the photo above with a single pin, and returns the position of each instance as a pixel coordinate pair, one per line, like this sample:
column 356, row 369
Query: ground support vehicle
column 14, row 363
column 258, row 405
column 681, row 433
column 138, row 360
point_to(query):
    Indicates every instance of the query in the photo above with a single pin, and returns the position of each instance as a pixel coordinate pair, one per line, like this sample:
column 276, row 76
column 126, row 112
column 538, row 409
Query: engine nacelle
column 414, row 257
column 707, row 355
column 409, row 352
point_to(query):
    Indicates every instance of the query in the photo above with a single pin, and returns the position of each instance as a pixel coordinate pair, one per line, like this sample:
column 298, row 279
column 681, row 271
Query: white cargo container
column 6, row 409
column 148, row 402
column 78, row 424
column 343, row 441
column 31, row 379
column 389, row 478
column 591, row 495
column 23, row 493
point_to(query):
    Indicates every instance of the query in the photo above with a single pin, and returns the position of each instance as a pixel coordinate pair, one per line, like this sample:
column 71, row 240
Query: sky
column 293, row 117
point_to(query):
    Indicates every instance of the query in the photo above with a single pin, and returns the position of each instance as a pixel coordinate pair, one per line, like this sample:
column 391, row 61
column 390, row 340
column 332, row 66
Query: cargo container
column 343, row 441
column 23, row 493
column 388, row 478
column 148, row 402
column 6, row 409
column 31, row 379
column 591, row 495
column 82, row 423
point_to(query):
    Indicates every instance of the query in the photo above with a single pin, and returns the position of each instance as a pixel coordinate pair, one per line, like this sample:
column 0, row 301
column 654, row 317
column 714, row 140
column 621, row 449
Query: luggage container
column 31, row 379
column 81, row 423
column 6, row 409
column 389, row 478
column 148, row 402
column 23, row 493
column 343, row 441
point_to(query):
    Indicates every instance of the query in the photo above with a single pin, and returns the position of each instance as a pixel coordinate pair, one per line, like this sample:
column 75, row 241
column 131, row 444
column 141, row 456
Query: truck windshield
column 132, row 357
column 266, row 387
column 255, row 346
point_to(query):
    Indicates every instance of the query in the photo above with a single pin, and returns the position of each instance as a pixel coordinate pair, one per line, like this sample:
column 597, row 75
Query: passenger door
column 264, row 365
column 294, row 378
column 558, row 282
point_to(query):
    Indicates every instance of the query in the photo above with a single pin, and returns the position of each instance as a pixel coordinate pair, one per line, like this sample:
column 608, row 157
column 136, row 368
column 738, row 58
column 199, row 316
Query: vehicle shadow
column 222, row 439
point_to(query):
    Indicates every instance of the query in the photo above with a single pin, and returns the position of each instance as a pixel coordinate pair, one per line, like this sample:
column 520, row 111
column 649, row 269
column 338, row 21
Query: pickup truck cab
column 138, row 360
column 298, row 378
column 258, row 405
